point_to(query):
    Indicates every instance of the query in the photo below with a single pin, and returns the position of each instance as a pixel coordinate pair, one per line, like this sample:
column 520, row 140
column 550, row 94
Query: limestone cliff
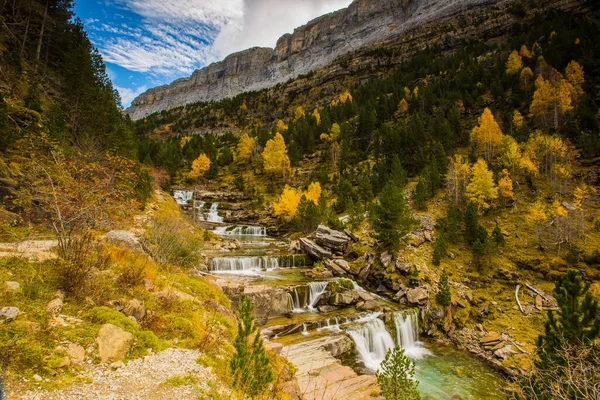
column 308, row 48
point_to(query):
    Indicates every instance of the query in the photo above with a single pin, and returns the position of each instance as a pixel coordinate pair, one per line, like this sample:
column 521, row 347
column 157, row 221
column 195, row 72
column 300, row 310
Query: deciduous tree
column 200, row 166
column 514, row 63
column 482, row 190
column 275, row 158
column 245, row 148
column 487, row 135
column 287, row 205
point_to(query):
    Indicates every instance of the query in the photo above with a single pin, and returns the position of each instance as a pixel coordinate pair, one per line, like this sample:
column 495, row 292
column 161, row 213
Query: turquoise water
column 452, row 374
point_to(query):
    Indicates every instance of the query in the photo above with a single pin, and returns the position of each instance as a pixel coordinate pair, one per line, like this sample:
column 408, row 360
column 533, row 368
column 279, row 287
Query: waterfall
column 182, row 197
column 213, row 214
column 297, row 306
column 407, row 333
column 316, row 290
column 358, row 287
column 243, row 264
column 372, row 341
column 245, row 230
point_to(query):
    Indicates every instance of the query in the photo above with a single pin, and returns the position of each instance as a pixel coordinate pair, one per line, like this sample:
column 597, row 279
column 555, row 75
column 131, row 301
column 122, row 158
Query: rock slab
column 113, row 343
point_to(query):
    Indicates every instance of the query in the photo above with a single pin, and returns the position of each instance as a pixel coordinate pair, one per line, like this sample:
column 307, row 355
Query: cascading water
column 297, row 305
column 372, row 341
column 245, row 230
column 213, row 214
column 407, row 333
column 183, row 197
column 316, row 290
column 243, row 264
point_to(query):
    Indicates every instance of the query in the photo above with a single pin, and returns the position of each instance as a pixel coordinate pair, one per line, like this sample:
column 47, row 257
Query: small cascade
column 407, row 333
column 305, row 330
column 372, row 341
column 213, row 214
column 358, row 287
column 243, row 264
column 245, row 230
column 183, row 197
column 298, row 301
column 316, row 290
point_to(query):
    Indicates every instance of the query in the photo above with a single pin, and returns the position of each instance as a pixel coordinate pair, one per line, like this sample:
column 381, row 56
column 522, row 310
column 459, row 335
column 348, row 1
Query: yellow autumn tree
column 317, row 116
column 184, row 140
column 505, row 185
column 415, row 93
column 535, row 216
column 459, row 172
column 574, row 75
column 244, row 149
column 583, row 192
column 287, row 205
column 526, row 79
column 402, row 108
column 552, row 157
column 524, row 52
column 298, row 113
column 346, row 96
column 551, row 100
column 275, row 158
column 313, row 192
column 517, row 120
column 482, row 190
column 406, row 93
column 200, row 166
column 514, row 63
column 511, row 153
column 334, row 134
column 487, row 136
column 281, row 126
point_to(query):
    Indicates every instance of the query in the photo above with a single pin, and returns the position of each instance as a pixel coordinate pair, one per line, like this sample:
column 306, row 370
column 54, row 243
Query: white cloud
column 265, row 21
column 127, row 94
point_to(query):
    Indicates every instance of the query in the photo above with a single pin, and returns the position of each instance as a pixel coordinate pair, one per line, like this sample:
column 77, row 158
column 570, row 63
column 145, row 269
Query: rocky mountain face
column 312, row 46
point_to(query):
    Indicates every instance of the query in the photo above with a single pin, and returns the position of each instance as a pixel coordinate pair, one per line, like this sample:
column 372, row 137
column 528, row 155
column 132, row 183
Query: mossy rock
column 339, row 286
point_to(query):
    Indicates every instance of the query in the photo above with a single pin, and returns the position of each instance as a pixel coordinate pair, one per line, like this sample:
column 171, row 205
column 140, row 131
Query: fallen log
column 517, row 298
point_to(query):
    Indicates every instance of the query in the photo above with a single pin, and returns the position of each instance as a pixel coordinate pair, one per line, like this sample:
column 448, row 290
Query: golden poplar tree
column 317, row 116
column 551, row 100
column 505, row 185
column 287, row 205
column 574, row 75
column 526, row 79
column 281, row 126
column 244, row 149
column 200, row 166
column 459, row 172
column 487, row 136
column 313, row 192
column 298, row 113
column 536, row 215
column 514, row 63
column 482, row 190
column 184, row 140
column 275, row 158
column 511, row 153
column 402, row 108
column 524, row 52
column 517, row 120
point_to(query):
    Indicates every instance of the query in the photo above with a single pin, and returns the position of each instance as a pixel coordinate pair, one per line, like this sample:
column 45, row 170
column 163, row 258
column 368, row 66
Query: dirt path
column 146, row 378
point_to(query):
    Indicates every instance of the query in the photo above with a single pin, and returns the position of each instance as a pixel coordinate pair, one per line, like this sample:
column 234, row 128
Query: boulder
column 345, row 298
column 416, row 296
column 364, row 272
column 12, row 286
column 124, row 238
column 174, row 294
column 334, row 267
column 343, row 264
column 9, row 313
column 339, row 345
column 364, row 295
column 505, row 352
column 491, row 337
column 330, row 238
column 314, row 250
column 327, row 308
column 351, row 235
column 76, row 353
column 113, row 343
column 538, row 302
column 428, row 236
column 136, row 309
column 404, row 268
column 386, row 258
column 369, row 305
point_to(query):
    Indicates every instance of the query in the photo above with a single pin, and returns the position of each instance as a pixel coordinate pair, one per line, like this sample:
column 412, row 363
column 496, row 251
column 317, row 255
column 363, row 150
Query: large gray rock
column 314, row 250
column 346, row 298
column 124, row 238
column 9, row 313
column 315, row 45
column 331, row 238
column 416, row 296
column 113, row 343
column 12, row 286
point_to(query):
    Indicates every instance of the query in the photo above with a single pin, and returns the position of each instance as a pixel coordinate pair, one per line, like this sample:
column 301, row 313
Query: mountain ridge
column 312, row 46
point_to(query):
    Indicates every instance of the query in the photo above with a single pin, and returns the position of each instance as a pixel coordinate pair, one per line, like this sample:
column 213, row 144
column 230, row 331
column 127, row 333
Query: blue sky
column 146, row 43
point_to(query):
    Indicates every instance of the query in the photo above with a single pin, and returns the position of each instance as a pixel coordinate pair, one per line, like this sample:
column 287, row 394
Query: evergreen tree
column 440, row 249
column 577, row 322
column 498, row 236
column 395, row 377
column 365, row 190
column 250, row 366
column 471, row 223
column 397, row 172
column 419, row 196
column 444, row 296
column 308, row 217
column 451, row 224
column 32, row 98
column 392, row 218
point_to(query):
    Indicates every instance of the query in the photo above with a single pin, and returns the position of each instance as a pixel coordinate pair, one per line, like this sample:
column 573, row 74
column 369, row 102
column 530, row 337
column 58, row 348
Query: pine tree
column 395, row 377
column 577, row 322
column 440, row 249
column 250, row 366
column 444, row 296
column 307, row 217
column 471, row 223
column 392, row 218
column 420, row 194
column 365, row 190
column 498, row 236
column 397, row 172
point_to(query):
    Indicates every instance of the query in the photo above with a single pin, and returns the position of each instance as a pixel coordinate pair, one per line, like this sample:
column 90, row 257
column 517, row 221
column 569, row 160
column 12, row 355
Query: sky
column 147, row 43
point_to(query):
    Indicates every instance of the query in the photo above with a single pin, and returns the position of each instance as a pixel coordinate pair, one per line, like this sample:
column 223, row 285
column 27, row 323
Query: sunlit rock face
column 310, row 47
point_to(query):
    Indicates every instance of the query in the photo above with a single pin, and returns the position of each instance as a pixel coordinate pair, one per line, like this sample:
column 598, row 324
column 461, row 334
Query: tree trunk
column 25, row 37
column 39, row 46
